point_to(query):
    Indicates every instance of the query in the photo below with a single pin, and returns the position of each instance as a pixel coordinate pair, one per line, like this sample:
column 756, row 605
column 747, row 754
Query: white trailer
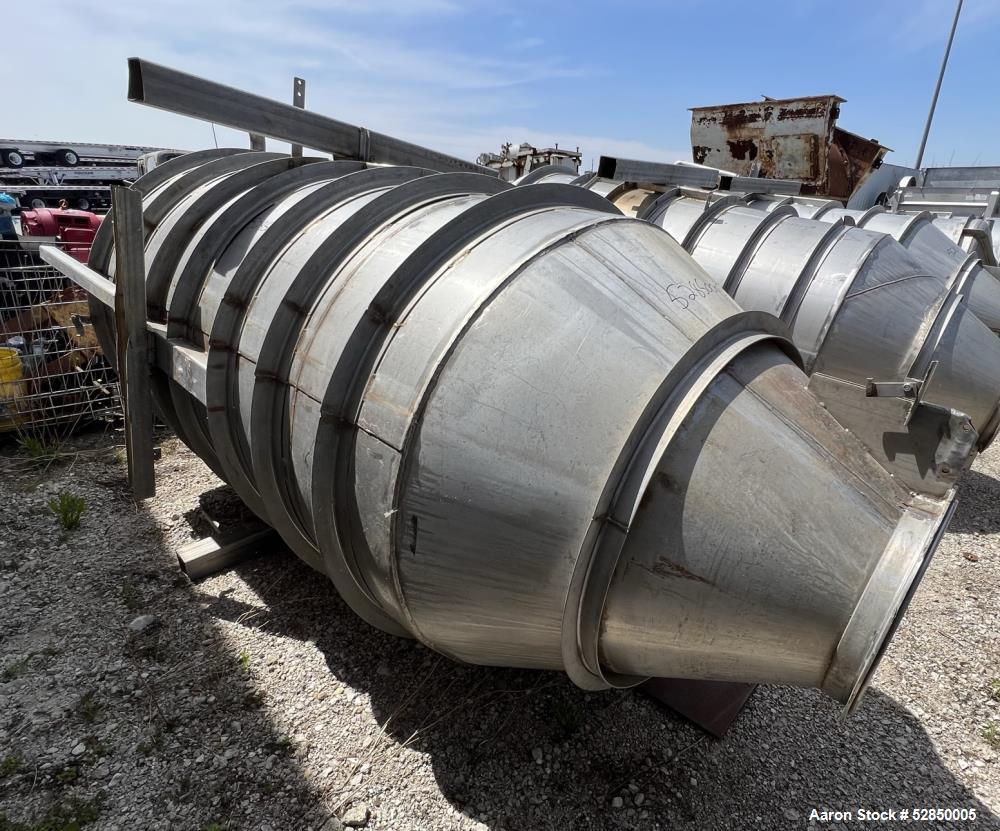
column 16, row 153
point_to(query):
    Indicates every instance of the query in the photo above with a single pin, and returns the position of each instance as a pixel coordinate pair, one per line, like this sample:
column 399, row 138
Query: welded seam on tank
column 103, row 244
column 566, row 235
column 257, row 266
column 407, row 456
column 398, row 533
column 654, row 211
column 711, row 212
column 166, row 249
column 937, row 322
column 859, row 292
column 940, row 520
column 189, row 275
column 186, row 290
column 676, row 397
column 837, row 306
column 807, row 275
column 170, row 242
column 339, row 257
column 189, row 218
column 623, row 277
column 772, row 220
column 166, row 199
column 189, row 282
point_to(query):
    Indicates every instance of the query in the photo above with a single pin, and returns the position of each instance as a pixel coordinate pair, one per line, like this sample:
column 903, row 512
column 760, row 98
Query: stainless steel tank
column 922, row 235
column 893, row 351
column 519, row 426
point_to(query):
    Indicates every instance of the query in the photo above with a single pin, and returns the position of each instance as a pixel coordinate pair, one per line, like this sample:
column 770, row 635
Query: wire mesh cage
column 53, row 373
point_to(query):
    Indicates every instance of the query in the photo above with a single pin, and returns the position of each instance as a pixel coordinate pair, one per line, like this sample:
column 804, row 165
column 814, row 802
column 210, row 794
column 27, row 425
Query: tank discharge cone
column 519, row 426
column 893, row 350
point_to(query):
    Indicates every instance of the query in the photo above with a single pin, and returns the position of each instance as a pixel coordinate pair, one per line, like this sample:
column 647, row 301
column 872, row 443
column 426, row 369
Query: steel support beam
column 177, row 92
column 132, row 341
column 657, row 173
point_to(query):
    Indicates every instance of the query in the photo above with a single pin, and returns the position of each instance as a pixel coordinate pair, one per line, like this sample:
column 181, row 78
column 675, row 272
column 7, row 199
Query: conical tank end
column 769, row 546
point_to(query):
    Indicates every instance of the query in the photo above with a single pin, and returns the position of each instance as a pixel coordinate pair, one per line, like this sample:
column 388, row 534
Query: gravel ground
column 133, row 699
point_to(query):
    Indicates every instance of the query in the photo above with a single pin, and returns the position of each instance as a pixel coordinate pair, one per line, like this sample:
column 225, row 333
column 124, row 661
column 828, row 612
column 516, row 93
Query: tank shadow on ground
column 482, row 729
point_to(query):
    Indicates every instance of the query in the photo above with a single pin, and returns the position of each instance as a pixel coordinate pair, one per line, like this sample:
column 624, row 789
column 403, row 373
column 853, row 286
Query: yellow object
column 12, row 388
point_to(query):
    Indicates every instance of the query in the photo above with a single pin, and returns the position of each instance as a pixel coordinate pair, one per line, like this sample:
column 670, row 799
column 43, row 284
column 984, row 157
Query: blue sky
column 613, row 78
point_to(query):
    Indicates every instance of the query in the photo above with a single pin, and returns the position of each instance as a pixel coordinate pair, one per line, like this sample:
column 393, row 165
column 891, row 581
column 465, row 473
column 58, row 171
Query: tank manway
column 519, row 426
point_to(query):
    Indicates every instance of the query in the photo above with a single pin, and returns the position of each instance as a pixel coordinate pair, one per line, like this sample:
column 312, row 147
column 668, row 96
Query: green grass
column 10, row 765
column 993, row 688
column 37, row 448
column 69, row 815
column 68, row 508
column 130, row 595
column 15, row 669
column 991, row 735
column 244, row 660
column 68, row 775
column 88, row 707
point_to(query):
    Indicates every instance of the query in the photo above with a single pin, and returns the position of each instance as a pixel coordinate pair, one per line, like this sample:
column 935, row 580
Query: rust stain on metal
column 743, row 149
column 793, row 138
column 741, row 117
column 814, row 111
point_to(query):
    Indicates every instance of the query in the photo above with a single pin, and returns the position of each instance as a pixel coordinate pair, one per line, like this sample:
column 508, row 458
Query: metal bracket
column 298, row 100
column 909, row 388
column 957, row 437
column 958, row 442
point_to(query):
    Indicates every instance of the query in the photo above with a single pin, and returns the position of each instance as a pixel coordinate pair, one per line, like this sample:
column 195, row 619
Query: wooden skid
column 213, row 554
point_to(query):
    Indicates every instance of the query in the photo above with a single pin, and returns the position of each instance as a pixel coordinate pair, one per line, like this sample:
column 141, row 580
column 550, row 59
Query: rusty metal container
column 519, row 426
column 789, row 138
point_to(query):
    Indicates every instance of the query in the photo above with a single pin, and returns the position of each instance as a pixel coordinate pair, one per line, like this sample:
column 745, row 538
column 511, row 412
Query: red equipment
column 75, row 229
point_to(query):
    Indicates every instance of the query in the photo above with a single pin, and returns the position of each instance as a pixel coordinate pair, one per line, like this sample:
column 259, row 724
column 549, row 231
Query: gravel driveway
column 131, row 698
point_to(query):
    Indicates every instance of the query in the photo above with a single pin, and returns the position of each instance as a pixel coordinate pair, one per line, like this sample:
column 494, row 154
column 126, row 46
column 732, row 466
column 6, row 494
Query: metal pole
column 937, row 89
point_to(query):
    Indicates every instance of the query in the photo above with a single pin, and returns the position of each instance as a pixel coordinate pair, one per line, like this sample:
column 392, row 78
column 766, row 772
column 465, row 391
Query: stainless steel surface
column 658, row 173
column 961, row 271
column 965, row 202
column 863, row 311
column 179, row 92
column 520, row 426
column 95, row 284
column 551, row 173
